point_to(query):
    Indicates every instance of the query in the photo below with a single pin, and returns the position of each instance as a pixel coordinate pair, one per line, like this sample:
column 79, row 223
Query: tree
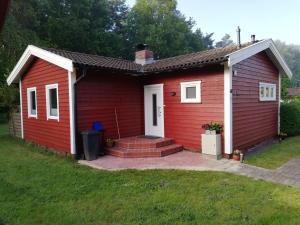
column 225, row 41
column 291, row 54
column 159, row 24
column 103, row 27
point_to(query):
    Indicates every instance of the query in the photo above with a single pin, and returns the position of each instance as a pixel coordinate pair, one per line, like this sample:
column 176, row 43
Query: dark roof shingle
column 97, row 61
column 192, row 60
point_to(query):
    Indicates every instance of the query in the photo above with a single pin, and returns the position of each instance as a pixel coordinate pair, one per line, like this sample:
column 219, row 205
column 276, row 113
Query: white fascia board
column 29, row 54
column 265, row 45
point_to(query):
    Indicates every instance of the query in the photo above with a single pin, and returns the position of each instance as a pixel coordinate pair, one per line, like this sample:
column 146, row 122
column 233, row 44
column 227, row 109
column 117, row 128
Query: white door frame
column 161, row 87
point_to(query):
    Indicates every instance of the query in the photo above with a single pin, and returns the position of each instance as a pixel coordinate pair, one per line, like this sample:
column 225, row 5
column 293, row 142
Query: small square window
column 32, row 102
column 191, row 92
column 52, row 102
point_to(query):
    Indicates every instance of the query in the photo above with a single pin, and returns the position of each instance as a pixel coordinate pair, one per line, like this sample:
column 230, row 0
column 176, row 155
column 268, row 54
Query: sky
column 276, row 19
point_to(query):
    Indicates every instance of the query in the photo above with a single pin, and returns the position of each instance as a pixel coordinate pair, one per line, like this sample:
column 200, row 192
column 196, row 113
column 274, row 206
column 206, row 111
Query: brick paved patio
column 288, row 174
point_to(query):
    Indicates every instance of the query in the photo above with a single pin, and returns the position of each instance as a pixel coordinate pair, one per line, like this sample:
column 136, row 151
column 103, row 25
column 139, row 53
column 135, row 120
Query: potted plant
column 211, row 139
column 212, row 128
column 109, row 143
column 282, row 136
column 236, row 155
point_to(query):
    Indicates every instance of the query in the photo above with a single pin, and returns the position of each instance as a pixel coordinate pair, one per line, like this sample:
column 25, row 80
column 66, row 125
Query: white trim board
column 265, row 45
column 30, row 53
column 48, row 109
column 72, row 80
column 29, row 90
column 228, row 125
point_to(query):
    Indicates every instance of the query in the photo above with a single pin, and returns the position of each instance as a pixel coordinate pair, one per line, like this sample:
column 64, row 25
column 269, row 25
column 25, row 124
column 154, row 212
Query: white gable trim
column 265, row 45
column 27, row 57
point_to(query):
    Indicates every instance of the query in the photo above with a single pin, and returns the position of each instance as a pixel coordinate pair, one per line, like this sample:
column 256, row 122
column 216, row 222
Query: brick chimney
column 143, row 56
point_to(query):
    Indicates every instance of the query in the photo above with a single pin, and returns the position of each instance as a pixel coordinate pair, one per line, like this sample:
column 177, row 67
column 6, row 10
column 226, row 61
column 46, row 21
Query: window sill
column 194, row 102
column 53, row 118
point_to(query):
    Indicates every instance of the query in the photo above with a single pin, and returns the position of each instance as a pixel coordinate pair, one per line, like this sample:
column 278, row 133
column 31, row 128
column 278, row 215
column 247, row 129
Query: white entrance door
column 154, row 110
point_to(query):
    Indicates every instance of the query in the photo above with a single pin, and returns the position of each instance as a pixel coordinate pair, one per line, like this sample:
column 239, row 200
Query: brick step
column 140, row 143
column 143, row 153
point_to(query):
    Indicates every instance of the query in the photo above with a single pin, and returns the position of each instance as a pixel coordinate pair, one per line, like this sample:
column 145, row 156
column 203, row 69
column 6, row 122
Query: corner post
column 72, row 80
column 228, row 136
column 279, row 100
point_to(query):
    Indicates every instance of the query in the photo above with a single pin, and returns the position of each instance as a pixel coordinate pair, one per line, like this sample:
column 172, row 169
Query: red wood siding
column 100, row 93
column 253, row 121
column 50, row 133
column 183, row 121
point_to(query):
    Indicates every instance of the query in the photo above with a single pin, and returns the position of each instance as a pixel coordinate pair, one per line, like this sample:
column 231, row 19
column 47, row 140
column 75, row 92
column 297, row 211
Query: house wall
column 183, row 121
column 100, row 93
column 253, row 121
column 51, row 133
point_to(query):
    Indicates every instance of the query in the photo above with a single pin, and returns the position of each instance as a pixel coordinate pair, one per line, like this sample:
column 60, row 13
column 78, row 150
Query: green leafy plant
column 109, row 142
column 290, row 117
column 213, row 126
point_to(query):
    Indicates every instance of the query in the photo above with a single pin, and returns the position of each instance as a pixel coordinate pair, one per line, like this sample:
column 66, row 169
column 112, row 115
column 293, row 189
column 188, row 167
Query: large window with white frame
column 267, row 91
column 191, row 92
column 32, row 102
column 52, row 102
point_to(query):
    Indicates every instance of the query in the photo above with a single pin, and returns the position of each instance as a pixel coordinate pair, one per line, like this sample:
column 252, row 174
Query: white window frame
column 29, row 90
column 48, row 88
column 185, row 85
column 265, row 86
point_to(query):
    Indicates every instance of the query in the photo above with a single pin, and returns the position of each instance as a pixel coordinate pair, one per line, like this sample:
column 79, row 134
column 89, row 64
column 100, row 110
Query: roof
column 211, row 56
column 230, row 54
column 293, row 91
column 97, row 61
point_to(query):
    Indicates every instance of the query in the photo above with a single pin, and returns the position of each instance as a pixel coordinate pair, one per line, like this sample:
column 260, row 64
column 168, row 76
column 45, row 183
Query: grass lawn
column 42, row 188
column 277, row 155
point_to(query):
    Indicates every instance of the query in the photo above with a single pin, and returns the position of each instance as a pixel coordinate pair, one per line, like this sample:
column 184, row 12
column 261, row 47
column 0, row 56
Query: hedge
column 290, row 117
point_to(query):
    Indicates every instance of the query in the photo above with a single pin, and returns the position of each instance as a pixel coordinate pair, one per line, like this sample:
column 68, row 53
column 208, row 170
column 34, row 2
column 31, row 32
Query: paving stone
column 288, row 174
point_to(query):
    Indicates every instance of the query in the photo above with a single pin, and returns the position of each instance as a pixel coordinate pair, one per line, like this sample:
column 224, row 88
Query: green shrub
column 290, row 117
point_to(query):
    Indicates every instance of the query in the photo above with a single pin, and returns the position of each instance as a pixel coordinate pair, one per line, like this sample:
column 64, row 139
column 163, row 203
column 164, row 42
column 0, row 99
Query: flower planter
column 211, row 144
column 236, row 157
column 110, row 144
column 210, row 132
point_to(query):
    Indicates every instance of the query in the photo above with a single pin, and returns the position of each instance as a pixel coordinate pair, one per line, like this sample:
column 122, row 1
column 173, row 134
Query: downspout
column 83, row 74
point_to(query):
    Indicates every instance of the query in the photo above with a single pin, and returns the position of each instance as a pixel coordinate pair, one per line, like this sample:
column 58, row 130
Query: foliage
column 291, row 53
column 284, row 87
column 42, row 188
column 168, row 33
column 103, row 27
column 276, row 155
column 9, row 98
column 225, row 41
column 290, row 117
column 3, row 130
column 213, row 126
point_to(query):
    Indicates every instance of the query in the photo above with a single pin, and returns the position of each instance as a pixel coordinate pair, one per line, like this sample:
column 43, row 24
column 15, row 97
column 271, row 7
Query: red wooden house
column 62, row 93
